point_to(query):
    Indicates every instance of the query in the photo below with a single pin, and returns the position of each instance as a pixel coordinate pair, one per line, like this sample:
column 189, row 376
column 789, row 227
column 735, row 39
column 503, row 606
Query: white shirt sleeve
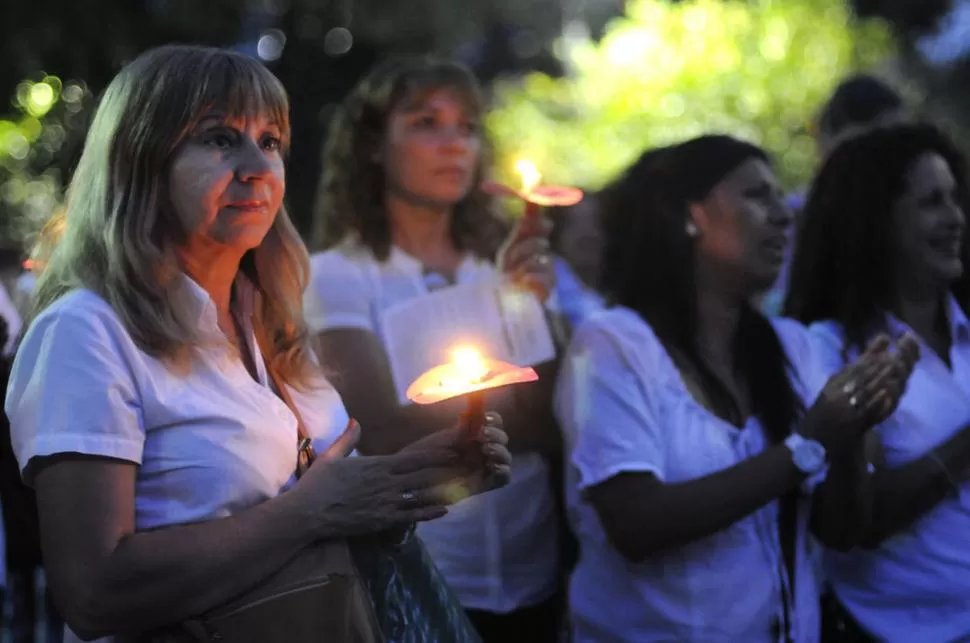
column 339, row 295
column 607, row 414
column 813, row 364
column 71, row 388
column 829, row 340
column 810, row 359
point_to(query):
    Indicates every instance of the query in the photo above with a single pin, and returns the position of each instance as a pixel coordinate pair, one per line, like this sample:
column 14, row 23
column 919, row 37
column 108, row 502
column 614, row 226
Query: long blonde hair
column 120, row 235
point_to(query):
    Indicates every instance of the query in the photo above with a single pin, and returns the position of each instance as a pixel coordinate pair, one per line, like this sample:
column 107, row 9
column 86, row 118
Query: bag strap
column 305, row 455
column 788, row 534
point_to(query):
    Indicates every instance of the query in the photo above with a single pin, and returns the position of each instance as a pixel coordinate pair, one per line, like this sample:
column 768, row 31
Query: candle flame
column 466, row 372
column 530, row 175
column 469, row 365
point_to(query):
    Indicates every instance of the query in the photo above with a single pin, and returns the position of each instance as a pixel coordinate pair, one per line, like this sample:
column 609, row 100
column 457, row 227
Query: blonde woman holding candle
column 165, row 394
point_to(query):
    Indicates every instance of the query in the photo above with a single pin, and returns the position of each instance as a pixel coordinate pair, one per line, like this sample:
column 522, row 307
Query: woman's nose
column 252, row 162
column 455, row 141
column 781, row 214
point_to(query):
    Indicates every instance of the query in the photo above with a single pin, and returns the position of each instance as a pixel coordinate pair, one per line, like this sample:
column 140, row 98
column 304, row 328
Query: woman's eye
column 425, row 122
column 932, row 200
column 219, row 140
column 272, row 143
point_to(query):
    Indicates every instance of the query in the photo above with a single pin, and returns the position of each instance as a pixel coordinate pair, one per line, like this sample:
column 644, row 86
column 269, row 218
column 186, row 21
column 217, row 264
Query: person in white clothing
column 147, row 397
column 698, row 431
column 884, row 250
column 401, row 214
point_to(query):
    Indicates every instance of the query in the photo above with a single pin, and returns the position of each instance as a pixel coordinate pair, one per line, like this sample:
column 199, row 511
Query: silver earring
column 691, row 229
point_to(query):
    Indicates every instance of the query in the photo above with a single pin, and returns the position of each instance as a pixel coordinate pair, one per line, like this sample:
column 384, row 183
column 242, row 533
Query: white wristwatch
column 808, row 455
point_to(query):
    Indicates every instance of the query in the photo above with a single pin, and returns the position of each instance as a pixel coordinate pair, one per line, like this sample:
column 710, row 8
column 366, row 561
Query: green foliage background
column 46, row 116
column 758, row 69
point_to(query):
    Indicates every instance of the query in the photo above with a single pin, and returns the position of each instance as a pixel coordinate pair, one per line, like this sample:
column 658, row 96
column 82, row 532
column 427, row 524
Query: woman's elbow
column 86, row 611
column 632, row 544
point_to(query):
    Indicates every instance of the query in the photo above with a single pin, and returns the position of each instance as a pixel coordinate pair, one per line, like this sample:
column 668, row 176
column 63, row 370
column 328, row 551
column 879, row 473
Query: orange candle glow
column 533, row 192
column 467, row 374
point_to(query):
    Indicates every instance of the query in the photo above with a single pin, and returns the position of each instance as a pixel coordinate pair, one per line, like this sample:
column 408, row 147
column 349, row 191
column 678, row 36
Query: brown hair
column 351, row 196
column 120, row 236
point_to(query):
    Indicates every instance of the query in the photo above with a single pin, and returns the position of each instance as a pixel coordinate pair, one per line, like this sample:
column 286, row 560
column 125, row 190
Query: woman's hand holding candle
column 479, row 444
column 482, row 458
column 526, row 256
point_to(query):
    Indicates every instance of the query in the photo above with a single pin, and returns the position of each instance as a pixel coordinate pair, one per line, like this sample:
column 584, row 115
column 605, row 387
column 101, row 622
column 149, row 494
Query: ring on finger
column 849, row 387
column 408, row 497
column 543, row 260
column 854, row 401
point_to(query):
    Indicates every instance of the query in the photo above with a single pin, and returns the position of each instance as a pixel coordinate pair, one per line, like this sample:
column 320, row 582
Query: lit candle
column 467, row 374
column 533, row 193
column 469, row 363
column 531, row 177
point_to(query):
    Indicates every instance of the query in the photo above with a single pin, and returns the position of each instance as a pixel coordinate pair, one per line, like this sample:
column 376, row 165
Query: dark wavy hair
column 351, row 193
column 843, row 264
column 648, row 267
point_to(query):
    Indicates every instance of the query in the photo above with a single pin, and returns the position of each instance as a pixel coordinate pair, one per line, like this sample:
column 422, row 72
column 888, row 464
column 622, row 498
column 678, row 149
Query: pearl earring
column 692, row 230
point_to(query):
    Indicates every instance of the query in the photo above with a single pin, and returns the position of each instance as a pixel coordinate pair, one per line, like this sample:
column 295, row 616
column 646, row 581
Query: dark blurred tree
column 909, row 18
column 941, row 78
column 58, row 54
column 326, row 46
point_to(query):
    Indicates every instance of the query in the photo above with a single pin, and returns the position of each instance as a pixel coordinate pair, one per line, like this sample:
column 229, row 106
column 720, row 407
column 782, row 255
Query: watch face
column 809, row 456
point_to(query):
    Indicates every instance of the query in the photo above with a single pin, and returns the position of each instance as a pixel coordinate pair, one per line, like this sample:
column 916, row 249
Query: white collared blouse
column 624, row 408
column 915, row 586
column 208, row 442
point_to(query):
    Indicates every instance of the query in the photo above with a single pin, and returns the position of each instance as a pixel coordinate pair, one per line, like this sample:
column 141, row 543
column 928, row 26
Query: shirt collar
column 958, row 322
column 203, row 309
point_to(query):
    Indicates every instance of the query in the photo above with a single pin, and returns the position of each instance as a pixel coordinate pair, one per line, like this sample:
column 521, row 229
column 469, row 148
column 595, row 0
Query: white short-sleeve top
column 209, row 441
column 624, row 408
column 498, row 550
column 915, row 586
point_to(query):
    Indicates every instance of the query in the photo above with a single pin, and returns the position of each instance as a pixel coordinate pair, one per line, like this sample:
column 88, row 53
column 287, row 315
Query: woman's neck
column 424, row 232
column 718, row 314
column 214, row 267
column 718, row 317
column 924, row 311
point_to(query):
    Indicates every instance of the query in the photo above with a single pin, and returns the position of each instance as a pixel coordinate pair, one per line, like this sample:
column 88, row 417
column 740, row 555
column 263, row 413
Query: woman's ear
column 696, row 223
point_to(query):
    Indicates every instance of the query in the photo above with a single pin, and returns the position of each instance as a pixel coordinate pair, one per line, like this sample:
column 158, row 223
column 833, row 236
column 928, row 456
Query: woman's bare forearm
column 645, row 517
column 842, row 503
column 904, row 494
column 161, row 577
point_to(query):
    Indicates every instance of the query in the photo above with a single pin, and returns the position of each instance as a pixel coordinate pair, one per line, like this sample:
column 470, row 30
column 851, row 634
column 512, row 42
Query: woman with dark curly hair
column 698, row 430
column 883, row 250
column 401, row 215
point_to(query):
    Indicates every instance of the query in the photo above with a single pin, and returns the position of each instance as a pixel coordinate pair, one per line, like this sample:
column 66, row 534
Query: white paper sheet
column 497, row 318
